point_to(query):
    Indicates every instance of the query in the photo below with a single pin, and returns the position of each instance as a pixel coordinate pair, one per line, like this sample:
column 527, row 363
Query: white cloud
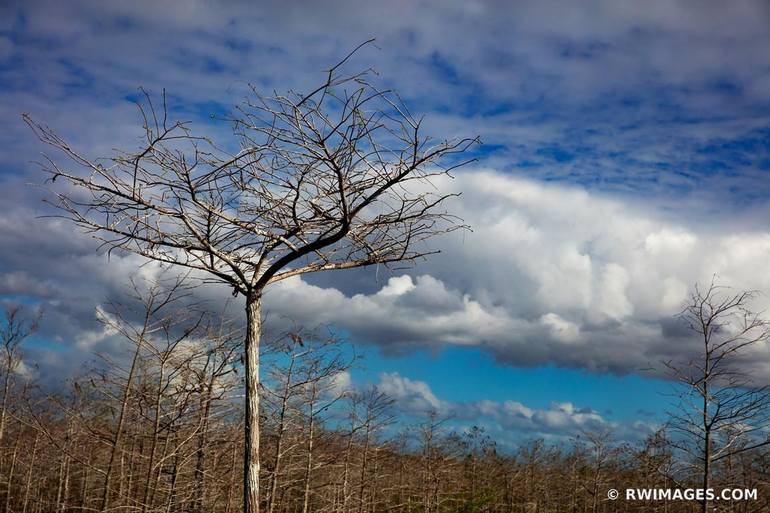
column 560, row 329
column 24, row 370
column 89, row 339
column 559, row 420
column 340, row 383
column 413, row 397
column 549, row 275
column 397, row 286
column 612, row 301
column 673, row 243
column 423, row 310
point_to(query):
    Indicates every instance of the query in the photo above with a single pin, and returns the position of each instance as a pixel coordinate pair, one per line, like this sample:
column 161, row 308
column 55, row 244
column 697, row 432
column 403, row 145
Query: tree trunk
column 84, row 501
column 707, row 424
column 706, row 470
column 11, row 476
column 251, row 423
column 6, row 389
column 28, row 483
column 231, row 485
column 373, row 499
column 119, row 429
column 346, row 472
column 279, row 442
column 159, row 467
column 154, row 443
column 172, row 502
column 66, row 484
column 309, row 460
column 200, row 452
column 364, row 461
column 129, row 480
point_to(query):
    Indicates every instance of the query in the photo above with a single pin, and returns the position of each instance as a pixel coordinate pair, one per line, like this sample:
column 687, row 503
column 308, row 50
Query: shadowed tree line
column 160, row 428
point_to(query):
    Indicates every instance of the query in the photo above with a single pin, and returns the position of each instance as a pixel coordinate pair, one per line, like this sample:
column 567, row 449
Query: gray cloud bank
column 549, row 275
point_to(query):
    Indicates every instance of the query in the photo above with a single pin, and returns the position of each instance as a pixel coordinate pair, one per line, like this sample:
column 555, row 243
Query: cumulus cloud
column 549, row 275
column 560, row 420
column 405, row 311
column 340, row 383
column 413, row 397
column 22, row 282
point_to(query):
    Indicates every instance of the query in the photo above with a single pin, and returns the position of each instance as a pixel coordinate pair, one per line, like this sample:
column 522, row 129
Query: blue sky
column 626, row 157
column 466, row 375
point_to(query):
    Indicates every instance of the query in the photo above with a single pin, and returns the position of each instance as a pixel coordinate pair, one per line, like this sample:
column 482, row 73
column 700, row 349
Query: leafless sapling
column 721, row 409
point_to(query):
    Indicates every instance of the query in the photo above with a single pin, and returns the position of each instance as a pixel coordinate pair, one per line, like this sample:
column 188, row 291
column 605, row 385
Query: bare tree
column 720, row 409
column 14, row 331
column 476, row 445
column 212, row 371
column 436, row 461
column 333, row 179
column 597, row 449
column 155, row 322
column 301, row 391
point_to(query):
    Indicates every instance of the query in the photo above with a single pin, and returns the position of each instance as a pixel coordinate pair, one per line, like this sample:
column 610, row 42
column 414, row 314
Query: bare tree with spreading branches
column 333, row 179
column 721, row 411
column 15, row 329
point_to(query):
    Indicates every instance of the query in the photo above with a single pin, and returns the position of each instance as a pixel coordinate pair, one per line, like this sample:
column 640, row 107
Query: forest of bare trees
column 159, row 428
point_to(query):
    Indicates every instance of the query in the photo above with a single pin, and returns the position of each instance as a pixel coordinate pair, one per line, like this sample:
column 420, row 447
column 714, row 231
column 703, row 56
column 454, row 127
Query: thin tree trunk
column 251, row 424
column 130, row 479
column 279, row 442
column 66, row 486
column 205, row 408
column 6, row 389
column 171, row 505
column 309, row 461
column 364, row 461
column 232, row 480
column 119, row 430
column 346, row 472
column 706, row 458
column 28, row 482
column 154, row 443
column 121, row 478
column 86, row 478
column 10, row 476
column 60, row 482
column 158, row 470
column 706, row 427
column 401, row 484
column 373, row 499
column 39, row 497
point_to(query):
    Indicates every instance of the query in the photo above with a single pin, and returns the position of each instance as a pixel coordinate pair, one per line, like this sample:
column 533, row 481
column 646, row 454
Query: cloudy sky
column 626, row 157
